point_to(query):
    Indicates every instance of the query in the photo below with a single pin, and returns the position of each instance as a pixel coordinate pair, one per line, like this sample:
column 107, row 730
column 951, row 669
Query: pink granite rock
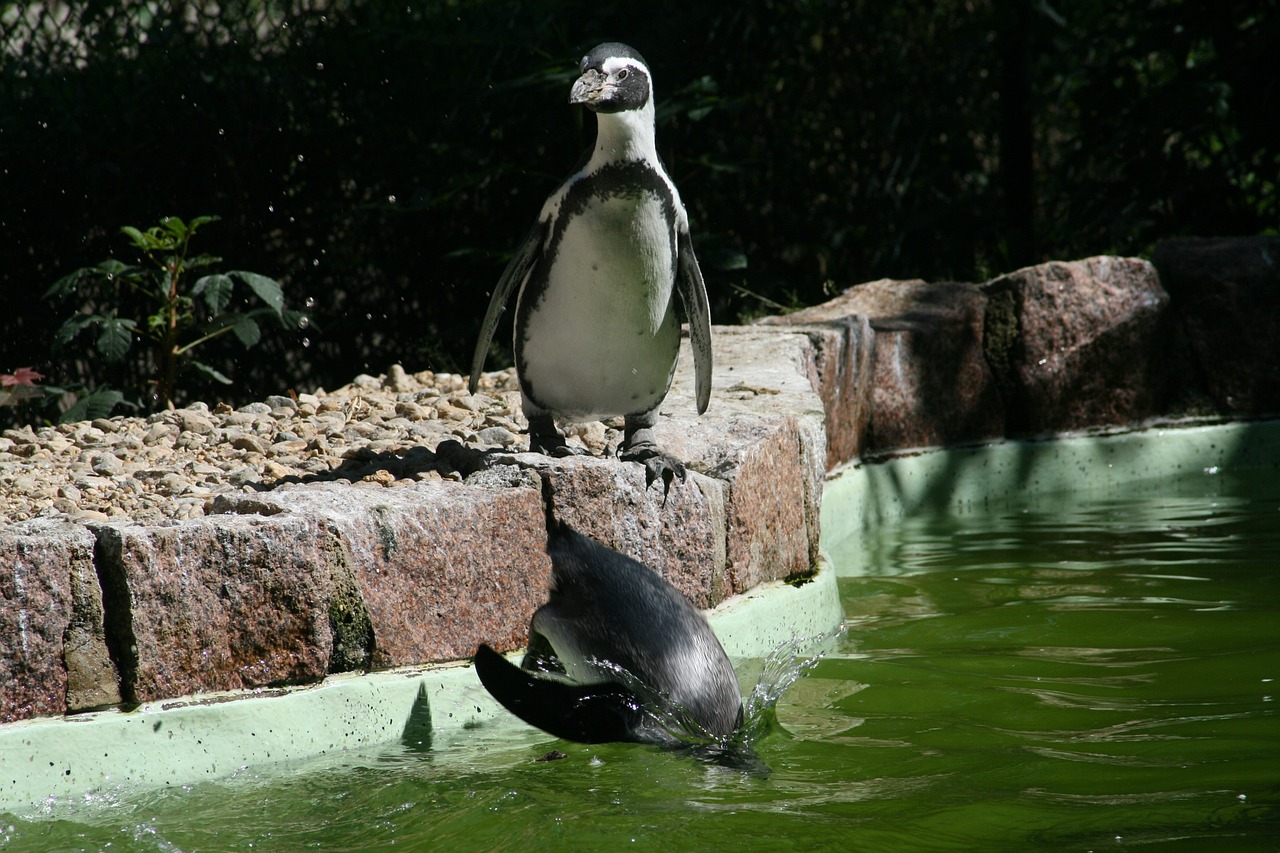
column 53, row 657
column 1226, row 295
column 679, row 533
column 440, row 566
column 762, row 441
column 1079, row 344
column 842, row 374
column 220, row 603
column 931, row 384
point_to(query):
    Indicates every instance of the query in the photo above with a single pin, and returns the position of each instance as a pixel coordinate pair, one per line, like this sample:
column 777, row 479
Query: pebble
column 168, row 466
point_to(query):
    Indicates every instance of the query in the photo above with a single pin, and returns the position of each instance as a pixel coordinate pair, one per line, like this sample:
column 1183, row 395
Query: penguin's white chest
column 601, row 338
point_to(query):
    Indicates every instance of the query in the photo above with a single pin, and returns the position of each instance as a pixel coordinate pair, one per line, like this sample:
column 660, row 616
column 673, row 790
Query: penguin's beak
column 589, row 89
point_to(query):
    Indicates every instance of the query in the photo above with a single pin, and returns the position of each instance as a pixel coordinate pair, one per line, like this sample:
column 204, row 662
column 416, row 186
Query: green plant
column 156, row 303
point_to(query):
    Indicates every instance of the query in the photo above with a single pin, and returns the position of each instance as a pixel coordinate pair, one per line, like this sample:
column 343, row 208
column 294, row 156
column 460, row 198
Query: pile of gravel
column 169, row 466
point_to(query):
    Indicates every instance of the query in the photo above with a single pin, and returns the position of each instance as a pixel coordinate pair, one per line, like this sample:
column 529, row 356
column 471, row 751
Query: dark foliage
column 382, row 159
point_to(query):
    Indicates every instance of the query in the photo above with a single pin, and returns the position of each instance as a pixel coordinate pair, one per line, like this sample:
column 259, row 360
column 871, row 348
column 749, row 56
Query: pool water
column 1075, row 671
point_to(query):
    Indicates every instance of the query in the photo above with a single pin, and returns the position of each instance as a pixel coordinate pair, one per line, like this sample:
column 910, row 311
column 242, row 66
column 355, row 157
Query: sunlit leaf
column 69, row 282
column 175, row 226
column 201, row 220
column 73, row 327
column 292, row 319
column 267, row 289
column 215, row 290
column 213, row 374
column 246, row 329
column 115, row 337
column 139, row 238
column 201, row 261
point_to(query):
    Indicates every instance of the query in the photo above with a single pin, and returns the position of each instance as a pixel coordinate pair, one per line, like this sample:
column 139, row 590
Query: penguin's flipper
column 512, row 277
column 697, row 309
column 585, row 713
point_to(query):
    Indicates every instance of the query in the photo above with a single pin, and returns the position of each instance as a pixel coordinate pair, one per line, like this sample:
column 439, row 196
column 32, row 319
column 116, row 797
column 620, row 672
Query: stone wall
column 288, row 578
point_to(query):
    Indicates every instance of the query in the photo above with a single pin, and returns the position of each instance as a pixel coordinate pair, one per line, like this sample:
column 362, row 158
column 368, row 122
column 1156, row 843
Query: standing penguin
column 596, row 332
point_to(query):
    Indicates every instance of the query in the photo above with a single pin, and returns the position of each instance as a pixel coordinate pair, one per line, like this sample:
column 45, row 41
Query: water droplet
column 300, row 158
column 309, row 303
column 319, row 66
column 306, row 342
column 391, row 199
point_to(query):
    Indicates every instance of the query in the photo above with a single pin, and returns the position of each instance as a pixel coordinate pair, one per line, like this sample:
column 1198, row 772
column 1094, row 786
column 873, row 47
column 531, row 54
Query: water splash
column 664, row 722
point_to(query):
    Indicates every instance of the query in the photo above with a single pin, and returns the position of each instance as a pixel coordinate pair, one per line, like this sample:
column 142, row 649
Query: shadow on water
column 988, row 476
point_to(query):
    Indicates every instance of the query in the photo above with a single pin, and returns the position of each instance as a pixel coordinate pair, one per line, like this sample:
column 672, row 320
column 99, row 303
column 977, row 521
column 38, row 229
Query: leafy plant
column 180, row 316
column 20, row 385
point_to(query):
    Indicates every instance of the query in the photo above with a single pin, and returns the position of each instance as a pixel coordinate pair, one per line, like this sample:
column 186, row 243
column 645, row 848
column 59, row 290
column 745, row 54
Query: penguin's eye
column 622, row 75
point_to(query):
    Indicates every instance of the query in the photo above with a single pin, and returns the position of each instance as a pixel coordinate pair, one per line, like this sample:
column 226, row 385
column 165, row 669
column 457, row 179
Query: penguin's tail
column 585, row 713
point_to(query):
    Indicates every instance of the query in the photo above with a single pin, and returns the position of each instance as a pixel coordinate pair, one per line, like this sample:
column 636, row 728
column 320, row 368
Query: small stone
column 175, row 484
column 287, row 448
column 256, row 409
column 500, row 436
column 107, row 465
column 414, row 412
column 22, row 435
column 250, row 444
column 279, row 401
column 275, row 470
column 157, row 433
column 397, row 380
column 471, row 402
column 106, row 425
column 193, row 422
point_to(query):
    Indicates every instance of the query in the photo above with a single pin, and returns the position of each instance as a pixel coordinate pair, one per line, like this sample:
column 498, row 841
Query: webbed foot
column 640, row 446
column 544, row 438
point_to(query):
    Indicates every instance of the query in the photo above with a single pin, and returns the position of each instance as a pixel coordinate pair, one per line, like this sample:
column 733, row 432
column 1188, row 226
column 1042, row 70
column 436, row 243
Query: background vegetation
column 381, row 160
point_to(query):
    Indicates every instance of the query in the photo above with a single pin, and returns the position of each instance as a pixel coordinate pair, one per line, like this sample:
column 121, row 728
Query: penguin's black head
column 615, row 78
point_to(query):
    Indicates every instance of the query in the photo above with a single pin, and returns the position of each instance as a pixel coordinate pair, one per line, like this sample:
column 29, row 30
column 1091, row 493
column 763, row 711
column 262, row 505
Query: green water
column 1076, row 672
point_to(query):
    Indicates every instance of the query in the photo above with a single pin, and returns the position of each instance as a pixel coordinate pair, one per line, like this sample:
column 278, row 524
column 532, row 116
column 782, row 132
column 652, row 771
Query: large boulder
column 1080, row 344
column 930, row 383
column 1226, row 295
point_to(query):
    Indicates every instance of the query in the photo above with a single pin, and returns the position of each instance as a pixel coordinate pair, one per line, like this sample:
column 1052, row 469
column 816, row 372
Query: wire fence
column 44, row 37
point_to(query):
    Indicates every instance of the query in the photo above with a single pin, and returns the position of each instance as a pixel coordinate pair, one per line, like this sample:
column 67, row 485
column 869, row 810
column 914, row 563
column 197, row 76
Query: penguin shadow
column 618, row 654
column 451, row 460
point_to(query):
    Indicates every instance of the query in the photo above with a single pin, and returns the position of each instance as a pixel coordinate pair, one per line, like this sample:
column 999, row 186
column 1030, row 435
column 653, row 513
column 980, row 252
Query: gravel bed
column 381, row 431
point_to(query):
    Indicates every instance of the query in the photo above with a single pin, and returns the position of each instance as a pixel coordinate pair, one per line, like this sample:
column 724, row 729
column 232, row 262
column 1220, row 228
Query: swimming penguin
column 596, row 332
column 616, row 654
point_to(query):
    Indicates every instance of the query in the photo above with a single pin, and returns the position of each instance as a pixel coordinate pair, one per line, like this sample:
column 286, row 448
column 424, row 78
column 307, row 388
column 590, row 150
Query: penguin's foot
column 546, row 439
column 641, row 447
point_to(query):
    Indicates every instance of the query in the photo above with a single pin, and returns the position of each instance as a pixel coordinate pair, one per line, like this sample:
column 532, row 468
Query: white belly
column 602, row 340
